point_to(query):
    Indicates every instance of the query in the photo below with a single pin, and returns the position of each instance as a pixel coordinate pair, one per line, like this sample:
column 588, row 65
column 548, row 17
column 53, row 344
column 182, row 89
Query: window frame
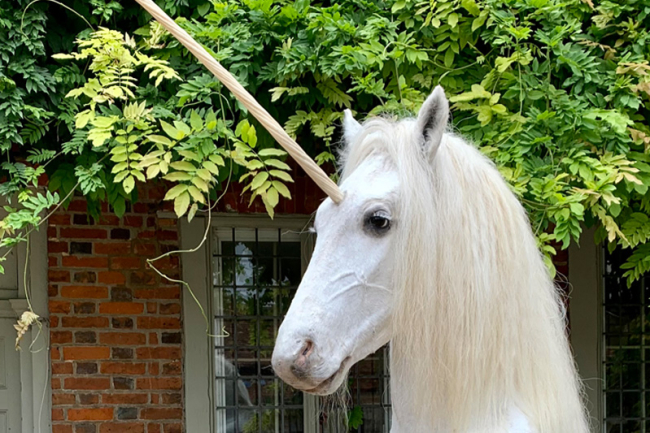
column 198, row 346
column 586, row 264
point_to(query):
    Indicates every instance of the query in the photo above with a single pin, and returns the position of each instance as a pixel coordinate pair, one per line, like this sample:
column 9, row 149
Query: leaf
column 196, row 194
column 271, row 152
column 259, row 179
column 160, row 139
column 171, row 131
column 128, row 184
column 281, row 175
column 175, row 191
column 449, row 58
column 192, row 212
column 178, row 176
column 277, row 164
column 196, row 121
column 272, row 197
column 181, row 203
column 183, row 166
column 282, row 189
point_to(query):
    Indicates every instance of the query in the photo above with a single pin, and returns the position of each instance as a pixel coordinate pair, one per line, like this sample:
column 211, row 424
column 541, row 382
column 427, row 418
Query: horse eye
column 378, row 222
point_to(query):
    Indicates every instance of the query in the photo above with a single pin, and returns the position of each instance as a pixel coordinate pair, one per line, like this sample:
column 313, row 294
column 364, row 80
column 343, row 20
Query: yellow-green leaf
column 259, row 180
column 281, row 175
column 192, row 212
column 128, row 184
column 183, row 166
column 201, row 184
column 272, row 197
column 277, row 164
column 175, row 191
column 181, row 203
column 196, row 194
column 178, row 176
column 282, row 189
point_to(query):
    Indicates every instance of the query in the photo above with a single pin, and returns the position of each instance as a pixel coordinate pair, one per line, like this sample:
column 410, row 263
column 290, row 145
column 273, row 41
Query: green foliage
column 556, row 93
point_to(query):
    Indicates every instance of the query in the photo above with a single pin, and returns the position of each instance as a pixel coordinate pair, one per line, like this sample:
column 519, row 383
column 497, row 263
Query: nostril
column 307, row 350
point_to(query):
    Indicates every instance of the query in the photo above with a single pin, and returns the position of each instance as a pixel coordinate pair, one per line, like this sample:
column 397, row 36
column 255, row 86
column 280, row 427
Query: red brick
column 87, row 383
column 122, row 338
column 51, row 232
column 56, row 383
column 59, row 307
column 145, row 249
column 88, row 399
column 61, row 368
column 52, row 261
column 95, row 414
column 59, row 219
column 121, row 427
column 125, row 308
column 111, row 277
column 55, row 353
column 57, row 415
column 153, row 338
column 54, row 321
column 61, row 428
column 162, row 413
column 115, row 248
column 122, row 368
column 85, row 322
column 172, row 398
column 78, row 205
column 154, row 428
column 125, row 398
column 59, row 399
column 58, row 276
column 170, row 308
column 132, row 221
column 126, row 263
column 78, row 353
column 166, row 235
column 84, row 292
column 54, row 247
column 152, row 307
column 109, row 220
column 159, row 323
column 173, row 428
column 159, row 383
column 82, row 233
column 61, row 337
column 85, row 262
column 154, row 368
column 158, row 353
column 172, row 368
column 158, row 293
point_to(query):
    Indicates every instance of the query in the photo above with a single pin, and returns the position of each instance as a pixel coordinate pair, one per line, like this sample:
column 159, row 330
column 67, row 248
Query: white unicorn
column 430, row 250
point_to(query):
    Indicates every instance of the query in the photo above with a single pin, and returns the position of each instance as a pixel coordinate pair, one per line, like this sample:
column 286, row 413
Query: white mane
column 477, row 325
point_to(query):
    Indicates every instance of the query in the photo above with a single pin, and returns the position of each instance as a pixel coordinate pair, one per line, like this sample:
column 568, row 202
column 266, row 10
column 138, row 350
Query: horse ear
column 432, row 119
column 351, row 128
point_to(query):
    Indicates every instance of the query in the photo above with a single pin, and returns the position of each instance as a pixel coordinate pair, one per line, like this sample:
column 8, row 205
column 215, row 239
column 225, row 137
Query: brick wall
column 115, row 325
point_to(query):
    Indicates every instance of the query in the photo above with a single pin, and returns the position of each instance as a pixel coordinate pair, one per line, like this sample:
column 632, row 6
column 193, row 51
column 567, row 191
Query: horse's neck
column 517, row 422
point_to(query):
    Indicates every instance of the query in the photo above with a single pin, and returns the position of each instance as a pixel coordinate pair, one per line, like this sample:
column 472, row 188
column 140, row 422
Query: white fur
column 457, row 285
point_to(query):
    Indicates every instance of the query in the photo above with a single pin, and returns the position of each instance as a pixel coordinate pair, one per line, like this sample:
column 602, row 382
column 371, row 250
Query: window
column 626, row 354
column 255, row 273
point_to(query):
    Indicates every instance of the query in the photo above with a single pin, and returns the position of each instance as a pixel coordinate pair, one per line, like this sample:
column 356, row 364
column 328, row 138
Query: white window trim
column 585, row 278
column 198, row 346
column 35, row 365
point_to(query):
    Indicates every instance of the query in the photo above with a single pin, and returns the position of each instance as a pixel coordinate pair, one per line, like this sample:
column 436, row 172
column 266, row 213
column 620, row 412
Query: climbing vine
column 556, row 93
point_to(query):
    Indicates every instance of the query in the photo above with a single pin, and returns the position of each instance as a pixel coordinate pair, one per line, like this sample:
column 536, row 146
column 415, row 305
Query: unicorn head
column 342, row 310
column 430, row 250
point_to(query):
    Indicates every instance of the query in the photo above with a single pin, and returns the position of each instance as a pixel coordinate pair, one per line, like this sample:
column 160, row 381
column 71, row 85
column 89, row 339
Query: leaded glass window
column 255, row 275
column 626, row 350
